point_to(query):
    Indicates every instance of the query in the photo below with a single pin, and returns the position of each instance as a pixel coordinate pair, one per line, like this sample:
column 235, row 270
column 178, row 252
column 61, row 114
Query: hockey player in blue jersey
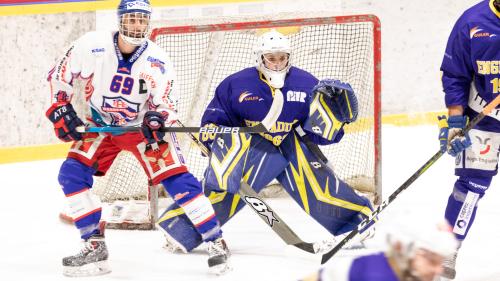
column 471, row 79
column 414, row 253
column 308, row 111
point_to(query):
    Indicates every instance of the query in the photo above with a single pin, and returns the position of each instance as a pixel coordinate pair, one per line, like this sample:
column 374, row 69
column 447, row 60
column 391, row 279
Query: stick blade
column 308, row 247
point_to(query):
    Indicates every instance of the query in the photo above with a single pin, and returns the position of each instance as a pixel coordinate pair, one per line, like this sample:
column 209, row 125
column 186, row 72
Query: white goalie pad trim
column 82, row 203
column 198, row 209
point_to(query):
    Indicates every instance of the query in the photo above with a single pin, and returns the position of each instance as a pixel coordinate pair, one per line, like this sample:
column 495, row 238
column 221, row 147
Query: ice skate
column 218, row 257
column 172, row 246
column 449, row 263
column 358, row 242
column 92, row 259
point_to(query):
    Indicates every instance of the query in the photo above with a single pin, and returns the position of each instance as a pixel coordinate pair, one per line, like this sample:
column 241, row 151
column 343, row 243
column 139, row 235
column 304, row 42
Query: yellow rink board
column 88, row 6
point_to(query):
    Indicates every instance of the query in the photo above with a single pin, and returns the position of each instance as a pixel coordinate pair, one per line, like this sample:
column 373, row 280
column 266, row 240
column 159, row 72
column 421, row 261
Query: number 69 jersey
column 119, row 90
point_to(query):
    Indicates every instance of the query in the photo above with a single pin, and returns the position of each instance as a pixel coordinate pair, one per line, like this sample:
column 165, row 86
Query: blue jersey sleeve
column 219, row 110
column 457, row 69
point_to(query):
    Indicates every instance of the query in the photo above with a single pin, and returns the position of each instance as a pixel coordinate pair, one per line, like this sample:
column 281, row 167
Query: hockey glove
column 65, row 121
column 152, row 125
column 341, row 99
column 451, row 136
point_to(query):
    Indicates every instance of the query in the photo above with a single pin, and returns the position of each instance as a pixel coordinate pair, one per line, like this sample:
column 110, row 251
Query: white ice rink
column 33, row 241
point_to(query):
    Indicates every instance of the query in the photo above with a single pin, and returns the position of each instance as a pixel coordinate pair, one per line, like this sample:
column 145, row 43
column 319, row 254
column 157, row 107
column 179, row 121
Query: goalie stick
column 487, row 109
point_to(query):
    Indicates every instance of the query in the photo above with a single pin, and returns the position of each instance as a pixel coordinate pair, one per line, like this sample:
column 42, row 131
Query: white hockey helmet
column 134, row 21
column 272, row 42
column 433, row 237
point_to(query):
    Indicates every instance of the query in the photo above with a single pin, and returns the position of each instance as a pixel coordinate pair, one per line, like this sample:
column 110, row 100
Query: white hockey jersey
column 119, row 91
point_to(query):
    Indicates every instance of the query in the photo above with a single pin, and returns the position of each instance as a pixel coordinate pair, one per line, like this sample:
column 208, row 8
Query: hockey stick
column 406, row 184
column 217, row 130
column 266, row 213
column 263, row 127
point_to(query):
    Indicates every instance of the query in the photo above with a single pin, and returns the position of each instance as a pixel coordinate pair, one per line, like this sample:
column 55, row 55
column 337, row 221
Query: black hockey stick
column 265, row 212
column 406, row 184
column 217, row 130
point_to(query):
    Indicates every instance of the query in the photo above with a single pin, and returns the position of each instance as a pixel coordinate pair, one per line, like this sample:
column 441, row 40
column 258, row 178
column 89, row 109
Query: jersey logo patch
column 295, row 96
column 120, row 109
column 477, row 32
column 247, row 96
column 157, row 63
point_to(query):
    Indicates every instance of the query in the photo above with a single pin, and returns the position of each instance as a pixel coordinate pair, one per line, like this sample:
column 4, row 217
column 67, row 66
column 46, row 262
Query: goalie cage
column 342, row 47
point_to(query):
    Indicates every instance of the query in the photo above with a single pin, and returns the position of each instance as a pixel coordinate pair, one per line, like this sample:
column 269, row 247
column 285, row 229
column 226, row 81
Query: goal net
column 345, row 48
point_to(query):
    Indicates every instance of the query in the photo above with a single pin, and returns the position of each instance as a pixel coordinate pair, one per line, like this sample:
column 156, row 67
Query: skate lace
column 88, row 247
column 451, row 261
column 216, row 248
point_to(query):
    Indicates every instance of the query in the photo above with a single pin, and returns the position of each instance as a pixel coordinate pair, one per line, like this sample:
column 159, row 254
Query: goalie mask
column 133, row 21
column 273, row 57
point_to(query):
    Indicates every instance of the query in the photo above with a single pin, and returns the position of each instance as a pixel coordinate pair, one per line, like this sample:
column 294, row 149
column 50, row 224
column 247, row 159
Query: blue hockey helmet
column 134, row 20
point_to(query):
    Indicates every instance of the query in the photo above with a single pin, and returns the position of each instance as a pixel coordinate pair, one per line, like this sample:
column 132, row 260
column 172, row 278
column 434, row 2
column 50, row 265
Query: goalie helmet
column 272, row 42
column 134, row 21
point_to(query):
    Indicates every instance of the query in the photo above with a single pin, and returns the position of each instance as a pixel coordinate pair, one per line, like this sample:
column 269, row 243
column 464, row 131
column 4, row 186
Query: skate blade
column 91, row 269
column 220, row 269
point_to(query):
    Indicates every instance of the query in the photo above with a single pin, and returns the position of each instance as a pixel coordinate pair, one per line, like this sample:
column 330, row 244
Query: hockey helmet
column 134, row 21
column 272, row 42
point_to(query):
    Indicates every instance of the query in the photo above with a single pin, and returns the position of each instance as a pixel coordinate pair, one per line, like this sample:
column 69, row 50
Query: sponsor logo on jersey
column 123, row 70
column 484, row 142
column 148, row 78
column 157, row 63
column 476, row 32
column 296, row 96
column 97, row 50
column 247, row 96
column 120, row 109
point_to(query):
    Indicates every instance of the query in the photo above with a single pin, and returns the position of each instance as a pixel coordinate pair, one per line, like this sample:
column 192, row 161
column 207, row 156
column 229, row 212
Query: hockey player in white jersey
column 129, row 81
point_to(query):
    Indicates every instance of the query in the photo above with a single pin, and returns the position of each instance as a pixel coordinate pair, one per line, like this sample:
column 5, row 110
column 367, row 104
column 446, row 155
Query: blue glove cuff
column 457, row 121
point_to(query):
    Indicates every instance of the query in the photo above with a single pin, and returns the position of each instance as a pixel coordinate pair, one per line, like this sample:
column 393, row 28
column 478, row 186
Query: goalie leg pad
column 187, row 193
column 462, row 203
column 85, row 208
column 326, row 198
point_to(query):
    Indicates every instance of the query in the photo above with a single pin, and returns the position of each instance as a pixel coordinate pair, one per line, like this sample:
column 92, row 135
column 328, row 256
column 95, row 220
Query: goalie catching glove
column 65, row 121
column 451, row 136
column 341, row 99
column 333, row 105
